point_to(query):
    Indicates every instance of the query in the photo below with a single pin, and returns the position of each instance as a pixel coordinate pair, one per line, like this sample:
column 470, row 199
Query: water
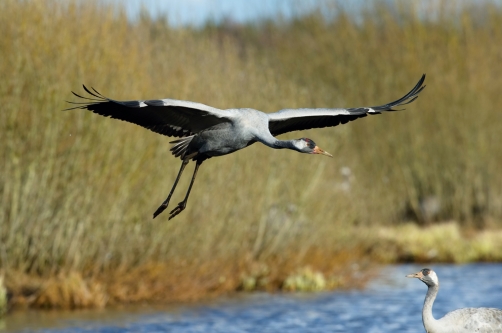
column 390, row 303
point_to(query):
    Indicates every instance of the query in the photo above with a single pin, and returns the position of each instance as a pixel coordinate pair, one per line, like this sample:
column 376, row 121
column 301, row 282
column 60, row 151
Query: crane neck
column 427, row 317
column 272, row 142
column 281, row 144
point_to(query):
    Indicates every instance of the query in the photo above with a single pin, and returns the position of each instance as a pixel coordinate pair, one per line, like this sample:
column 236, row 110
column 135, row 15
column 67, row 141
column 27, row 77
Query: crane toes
column 160, row 210
column 178, row 209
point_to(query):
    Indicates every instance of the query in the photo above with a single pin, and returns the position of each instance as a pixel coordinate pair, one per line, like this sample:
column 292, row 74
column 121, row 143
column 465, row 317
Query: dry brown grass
column 185, row 281
column 445, row 242
column 78, row 191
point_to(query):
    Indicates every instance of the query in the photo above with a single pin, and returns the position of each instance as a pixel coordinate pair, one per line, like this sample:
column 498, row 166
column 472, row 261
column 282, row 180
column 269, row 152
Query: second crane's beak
column 318, row 150
column 417, row 275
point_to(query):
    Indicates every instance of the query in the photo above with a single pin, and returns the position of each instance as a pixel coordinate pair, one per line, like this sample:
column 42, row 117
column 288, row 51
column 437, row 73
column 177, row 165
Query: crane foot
column 179, row 208
column 160, row 210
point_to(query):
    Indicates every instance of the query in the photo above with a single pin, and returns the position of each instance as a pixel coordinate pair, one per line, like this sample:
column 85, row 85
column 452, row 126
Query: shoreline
column 184, row 282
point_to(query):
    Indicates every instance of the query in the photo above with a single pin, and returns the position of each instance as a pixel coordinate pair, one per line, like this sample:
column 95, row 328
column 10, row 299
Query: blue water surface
column 390, row 303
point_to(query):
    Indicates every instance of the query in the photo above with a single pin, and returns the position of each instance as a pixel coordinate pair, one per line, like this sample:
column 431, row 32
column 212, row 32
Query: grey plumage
column 467, row 320
column 206, row 132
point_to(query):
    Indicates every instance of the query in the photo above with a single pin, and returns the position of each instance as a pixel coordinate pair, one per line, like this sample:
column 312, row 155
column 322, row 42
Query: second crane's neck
column 427, row 317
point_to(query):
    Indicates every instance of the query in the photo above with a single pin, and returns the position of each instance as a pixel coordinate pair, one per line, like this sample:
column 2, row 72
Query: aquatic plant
column 305, row 279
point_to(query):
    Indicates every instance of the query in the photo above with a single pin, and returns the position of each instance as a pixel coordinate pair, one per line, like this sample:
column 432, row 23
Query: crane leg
column 166, row 202
column 181, row 206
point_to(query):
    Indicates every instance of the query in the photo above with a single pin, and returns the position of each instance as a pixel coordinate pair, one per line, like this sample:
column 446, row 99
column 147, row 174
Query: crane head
column 306, row 145
column 427, row 276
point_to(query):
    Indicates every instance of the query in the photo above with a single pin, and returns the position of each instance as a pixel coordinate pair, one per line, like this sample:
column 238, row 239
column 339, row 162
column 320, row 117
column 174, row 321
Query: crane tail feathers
column 180, row 146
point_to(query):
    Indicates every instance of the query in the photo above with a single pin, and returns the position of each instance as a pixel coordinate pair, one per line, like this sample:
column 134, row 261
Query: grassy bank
column 314, row 270
column 78, row 191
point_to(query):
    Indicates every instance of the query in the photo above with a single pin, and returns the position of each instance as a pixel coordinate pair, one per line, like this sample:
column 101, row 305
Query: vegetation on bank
column 3, row 296
column 78, row 190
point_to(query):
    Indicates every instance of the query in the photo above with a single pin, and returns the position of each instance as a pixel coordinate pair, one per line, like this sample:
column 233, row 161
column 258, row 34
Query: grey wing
column 288, row 120
column 482, row 320
column 164, row 116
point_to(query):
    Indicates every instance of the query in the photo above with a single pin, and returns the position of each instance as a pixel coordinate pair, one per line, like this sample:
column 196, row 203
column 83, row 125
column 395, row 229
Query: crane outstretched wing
column 164, row 116
column 289, row 120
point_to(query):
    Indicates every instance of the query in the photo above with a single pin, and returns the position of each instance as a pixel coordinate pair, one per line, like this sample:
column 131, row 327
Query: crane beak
column 415, row 275
column 318, row 150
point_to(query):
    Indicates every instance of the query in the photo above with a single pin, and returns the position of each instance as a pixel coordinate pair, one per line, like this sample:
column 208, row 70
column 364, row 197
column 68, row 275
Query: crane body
column 466, row 320
column 206, row 132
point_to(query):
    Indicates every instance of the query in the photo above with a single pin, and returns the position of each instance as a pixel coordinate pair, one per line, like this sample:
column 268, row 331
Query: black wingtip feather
column 99, row 94
column 85, row 97
column 406, row 99
column 95, row 94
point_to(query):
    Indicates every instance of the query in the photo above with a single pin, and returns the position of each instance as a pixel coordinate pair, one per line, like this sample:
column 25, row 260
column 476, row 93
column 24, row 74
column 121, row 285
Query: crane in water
column 467, row 320
column 206, row 132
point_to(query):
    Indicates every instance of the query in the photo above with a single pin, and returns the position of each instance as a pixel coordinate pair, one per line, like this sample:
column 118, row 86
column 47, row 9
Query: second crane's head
column 427, row 276
column 305, row 145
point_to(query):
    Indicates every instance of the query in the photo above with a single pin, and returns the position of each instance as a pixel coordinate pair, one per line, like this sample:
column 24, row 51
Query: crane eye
column 426, row 271
column 311, row 144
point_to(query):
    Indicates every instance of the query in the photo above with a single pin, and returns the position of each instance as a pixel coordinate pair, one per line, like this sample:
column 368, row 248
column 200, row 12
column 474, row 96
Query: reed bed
column 78, row 190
